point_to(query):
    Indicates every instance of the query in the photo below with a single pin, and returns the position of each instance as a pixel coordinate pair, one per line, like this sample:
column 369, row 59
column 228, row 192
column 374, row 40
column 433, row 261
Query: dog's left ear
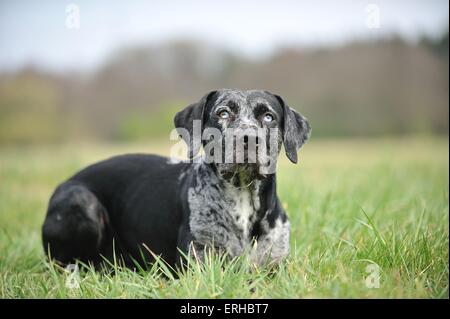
column 185, row 120
column 296, row 130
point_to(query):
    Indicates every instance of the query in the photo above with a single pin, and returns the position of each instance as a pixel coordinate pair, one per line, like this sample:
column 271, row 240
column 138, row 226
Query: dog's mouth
column 240, row 173
column 245, row 166
column 250, row 163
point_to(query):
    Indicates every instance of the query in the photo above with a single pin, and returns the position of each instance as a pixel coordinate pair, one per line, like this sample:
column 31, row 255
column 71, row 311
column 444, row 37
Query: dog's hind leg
column 74, row 228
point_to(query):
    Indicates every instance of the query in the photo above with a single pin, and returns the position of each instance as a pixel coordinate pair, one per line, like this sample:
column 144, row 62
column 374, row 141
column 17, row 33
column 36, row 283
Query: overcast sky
column 36, row 31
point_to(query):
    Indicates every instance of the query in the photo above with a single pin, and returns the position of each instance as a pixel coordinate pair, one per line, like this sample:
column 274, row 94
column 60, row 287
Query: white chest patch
column 222, row 215
column 242, row 206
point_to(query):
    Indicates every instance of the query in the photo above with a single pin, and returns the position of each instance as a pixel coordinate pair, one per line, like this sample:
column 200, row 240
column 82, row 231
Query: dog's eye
column 268, row 118
column 224, row 114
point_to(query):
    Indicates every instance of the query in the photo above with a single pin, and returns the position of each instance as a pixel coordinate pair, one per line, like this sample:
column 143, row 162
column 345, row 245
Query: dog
column 135, row 207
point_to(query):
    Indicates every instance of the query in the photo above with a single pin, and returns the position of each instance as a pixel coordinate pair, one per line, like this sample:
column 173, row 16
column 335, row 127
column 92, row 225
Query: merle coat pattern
column 132, row 204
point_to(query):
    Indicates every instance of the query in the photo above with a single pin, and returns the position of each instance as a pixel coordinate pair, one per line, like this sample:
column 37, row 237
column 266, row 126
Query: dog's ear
column 184, row 121
column 296, row 130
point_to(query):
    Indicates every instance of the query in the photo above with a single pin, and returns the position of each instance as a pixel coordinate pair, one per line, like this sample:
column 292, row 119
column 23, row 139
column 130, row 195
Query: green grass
column 352, row 203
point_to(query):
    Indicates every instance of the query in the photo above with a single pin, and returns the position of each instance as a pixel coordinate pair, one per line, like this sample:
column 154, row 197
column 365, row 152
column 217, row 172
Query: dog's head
column 237, row 123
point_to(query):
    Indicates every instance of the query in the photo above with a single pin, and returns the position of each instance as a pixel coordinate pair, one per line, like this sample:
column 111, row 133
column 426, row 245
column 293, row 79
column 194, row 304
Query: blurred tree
column 363, row 88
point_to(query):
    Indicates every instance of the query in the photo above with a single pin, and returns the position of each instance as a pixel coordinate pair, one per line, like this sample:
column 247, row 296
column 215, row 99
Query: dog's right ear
column 189, row 124
column 296, row 130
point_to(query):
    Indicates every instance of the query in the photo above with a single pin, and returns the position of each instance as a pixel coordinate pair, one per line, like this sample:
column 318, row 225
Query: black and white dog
column 132, row 204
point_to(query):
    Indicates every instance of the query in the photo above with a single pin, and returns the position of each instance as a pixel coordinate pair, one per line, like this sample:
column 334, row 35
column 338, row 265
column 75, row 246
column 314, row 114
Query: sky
column 47, row 34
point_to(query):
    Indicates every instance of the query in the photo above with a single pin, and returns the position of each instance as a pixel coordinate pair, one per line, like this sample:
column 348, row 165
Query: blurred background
column 84, row 80
column 119, row 70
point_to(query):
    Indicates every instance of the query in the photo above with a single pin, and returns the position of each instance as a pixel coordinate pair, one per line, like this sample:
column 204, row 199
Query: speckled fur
column 233, row 206
column 136, row 206
column 223, row 215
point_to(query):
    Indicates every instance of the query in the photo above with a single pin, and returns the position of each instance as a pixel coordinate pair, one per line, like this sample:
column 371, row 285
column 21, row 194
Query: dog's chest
column 222, row 215
column 242, row 206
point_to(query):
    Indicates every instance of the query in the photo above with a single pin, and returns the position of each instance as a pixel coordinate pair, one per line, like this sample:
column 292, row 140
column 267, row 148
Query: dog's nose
column 245, row 139
column 248, row 139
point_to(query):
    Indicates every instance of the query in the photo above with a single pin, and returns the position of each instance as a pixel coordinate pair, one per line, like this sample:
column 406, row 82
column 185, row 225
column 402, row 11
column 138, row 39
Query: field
column 369, row 219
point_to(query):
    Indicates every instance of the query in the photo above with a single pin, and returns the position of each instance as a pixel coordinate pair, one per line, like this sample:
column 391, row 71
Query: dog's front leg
column 273, row 246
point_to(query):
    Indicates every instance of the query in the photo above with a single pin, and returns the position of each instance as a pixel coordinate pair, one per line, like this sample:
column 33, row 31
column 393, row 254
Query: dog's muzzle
column 245, row 150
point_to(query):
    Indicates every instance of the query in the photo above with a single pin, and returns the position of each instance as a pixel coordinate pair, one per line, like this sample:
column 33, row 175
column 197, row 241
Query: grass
column 352, row 204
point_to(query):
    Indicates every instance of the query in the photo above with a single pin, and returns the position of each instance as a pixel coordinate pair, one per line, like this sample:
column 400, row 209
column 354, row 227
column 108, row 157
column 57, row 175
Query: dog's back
column 116, row 199
column 134, row 204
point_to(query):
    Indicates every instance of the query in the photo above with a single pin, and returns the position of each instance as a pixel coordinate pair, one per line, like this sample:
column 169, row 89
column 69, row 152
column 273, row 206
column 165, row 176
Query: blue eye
column 268, row 118
column 224, row 114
